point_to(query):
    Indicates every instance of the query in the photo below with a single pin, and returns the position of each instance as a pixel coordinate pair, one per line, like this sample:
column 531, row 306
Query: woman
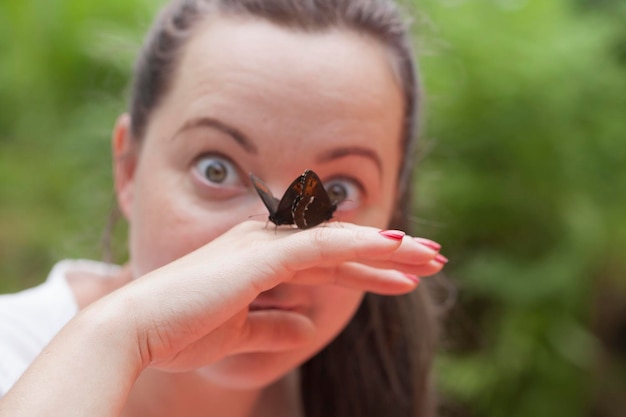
column 218, row 314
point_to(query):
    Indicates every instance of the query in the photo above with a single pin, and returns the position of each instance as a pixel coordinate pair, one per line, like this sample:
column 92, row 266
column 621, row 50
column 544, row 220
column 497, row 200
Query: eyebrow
column 338, row 153
column 216, row 124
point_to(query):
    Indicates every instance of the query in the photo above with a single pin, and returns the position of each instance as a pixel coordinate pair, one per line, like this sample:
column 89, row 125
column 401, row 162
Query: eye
column 345, row 192
column 217, row 170
column 337, row 192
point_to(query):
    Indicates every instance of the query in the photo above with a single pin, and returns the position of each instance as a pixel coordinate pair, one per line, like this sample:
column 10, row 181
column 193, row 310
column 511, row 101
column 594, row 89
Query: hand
column 195, row 310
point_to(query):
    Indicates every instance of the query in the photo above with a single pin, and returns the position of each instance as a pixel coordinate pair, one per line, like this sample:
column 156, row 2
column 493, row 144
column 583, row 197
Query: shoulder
column 31, row 318
column 89, row 280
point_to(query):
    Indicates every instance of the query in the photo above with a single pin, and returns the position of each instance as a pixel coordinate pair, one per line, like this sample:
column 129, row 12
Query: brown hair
column 380, row 364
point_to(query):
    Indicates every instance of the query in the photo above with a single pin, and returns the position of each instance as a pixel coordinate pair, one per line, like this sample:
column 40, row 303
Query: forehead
column 256, row 37
column 290, row 89
column 253, row 53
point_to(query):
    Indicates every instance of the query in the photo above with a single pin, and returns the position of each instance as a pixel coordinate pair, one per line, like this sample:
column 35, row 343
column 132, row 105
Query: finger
column 431, row 267
column 332, row 245
column 359, row 277
column 385, row 278
column 413, row 251
column 358, row 243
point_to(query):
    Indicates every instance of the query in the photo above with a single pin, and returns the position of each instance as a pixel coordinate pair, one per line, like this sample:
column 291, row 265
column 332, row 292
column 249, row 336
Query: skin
column 216, row 311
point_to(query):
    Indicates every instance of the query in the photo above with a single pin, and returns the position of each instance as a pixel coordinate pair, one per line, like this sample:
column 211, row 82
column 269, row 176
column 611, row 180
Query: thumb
column 274, row 330
column 256, row 331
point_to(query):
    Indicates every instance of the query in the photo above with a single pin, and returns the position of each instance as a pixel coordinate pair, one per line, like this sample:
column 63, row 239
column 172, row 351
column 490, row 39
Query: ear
column 124, row 162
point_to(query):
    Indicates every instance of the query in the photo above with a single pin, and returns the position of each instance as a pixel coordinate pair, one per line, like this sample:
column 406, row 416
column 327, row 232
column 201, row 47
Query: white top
column 31, row 318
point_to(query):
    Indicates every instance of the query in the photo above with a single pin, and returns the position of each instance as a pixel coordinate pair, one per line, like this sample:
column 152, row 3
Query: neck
column 163, row 394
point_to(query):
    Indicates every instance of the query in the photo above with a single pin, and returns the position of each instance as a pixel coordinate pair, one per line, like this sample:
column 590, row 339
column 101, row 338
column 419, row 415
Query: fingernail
column 393, row 234
column 428, row 243
column 413, row 278
column 441, row 259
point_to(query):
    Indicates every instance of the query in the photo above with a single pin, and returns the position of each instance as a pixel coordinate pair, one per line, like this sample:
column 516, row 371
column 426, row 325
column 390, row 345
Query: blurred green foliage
column 522, row 179
column 525, row 185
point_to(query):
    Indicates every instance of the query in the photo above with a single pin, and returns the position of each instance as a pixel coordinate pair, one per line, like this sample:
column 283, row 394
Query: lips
column 278, row 300
column 258, row 305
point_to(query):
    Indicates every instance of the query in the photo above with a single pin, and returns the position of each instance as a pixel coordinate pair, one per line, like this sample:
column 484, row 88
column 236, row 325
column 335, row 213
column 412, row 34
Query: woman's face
column 248, row 96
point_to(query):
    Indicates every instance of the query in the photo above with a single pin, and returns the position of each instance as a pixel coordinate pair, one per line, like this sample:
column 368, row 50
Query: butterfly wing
column 314, row 207
column 266, row 195
column 293, row 194
column 305, row 202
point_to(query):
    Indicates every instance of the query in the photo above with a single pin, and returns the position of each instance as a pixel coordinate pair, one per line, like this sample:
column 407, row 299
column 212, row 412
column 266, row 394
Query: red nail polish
column 413, row 278
column 441, row 259
column 428, row 243
column 393, row 234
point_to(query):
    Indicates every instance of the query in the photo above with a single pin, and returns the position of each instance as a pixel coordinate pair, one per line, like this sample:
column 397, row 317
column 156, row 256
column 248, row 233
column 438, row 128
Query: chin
column 251, row 370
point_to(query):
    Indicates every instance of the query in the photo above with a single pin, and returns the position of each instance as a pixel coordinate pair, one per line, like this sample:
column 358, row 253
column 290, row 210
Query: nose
column 271, row 203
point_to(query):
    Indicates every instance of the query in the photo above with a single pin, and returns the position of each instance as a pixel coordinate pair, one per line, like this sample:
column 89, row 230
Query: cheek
column 376, row 211
column 158, row 236
column 167, row 223
column 377, row 215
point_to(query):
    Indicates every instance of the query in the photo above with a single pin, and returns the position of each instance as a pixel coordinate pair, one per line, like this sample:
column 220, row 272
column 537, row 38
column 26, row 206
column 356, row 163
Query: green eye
column 216, row 170
column 337, row 192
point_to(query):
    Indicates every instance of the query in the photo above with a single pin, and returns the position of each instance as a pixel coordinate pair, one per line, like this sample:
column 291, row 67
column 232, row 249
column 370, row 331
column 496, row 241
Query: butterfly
column 305, row 203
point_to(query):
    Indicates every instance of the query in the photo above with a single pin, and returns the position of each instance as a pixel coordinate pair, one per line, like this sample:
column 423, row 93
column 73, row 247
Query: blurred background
column 522, row 178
